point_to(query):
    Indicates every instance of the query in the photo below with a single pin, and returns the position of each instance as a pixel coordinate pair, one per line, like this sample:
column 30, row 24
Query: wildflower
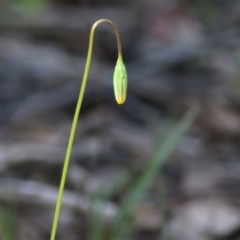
column 120, row 81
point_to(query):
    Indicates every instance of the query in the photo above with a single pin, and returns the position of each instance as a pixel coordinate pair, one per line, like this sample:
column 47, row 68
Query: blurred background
column 180, row 55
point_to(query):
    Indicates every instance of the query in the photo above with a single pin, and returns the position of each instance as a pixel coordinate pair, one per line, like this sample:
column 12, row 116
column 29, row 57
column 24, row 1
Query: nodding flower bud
column 120, row 81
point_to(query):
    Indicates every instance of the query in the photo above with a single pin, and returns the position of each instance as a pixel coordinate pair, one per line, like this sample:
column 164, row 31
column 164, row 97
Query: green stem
column 75, row 120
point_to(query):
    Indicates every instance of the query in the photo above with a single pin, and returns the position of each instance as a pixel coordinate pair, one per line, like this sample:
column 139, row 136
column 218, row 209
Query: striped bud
column 120, row 81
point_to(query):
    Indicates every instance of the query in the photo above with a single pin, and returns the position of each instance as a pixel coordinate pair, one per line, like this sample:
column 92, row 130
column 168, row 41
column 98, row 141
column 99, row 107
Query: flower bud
column 120, row 81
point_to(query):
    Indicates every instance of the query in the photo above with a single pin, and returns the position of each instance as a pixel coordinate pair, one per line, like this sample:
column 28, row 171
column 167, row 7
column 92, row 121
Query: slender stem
column 75, row 120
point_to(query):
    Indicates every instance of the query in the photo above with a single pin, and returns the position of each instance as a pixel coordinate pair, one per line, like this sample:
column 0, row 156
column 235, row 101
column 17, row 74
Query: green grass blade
column 7, row 223
column 160, row 157
column 96, row 219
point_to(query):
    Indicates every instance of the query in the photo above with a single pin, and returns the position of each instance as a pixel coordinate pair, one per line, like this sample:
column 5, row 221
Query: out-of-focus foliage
column 29, row 7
